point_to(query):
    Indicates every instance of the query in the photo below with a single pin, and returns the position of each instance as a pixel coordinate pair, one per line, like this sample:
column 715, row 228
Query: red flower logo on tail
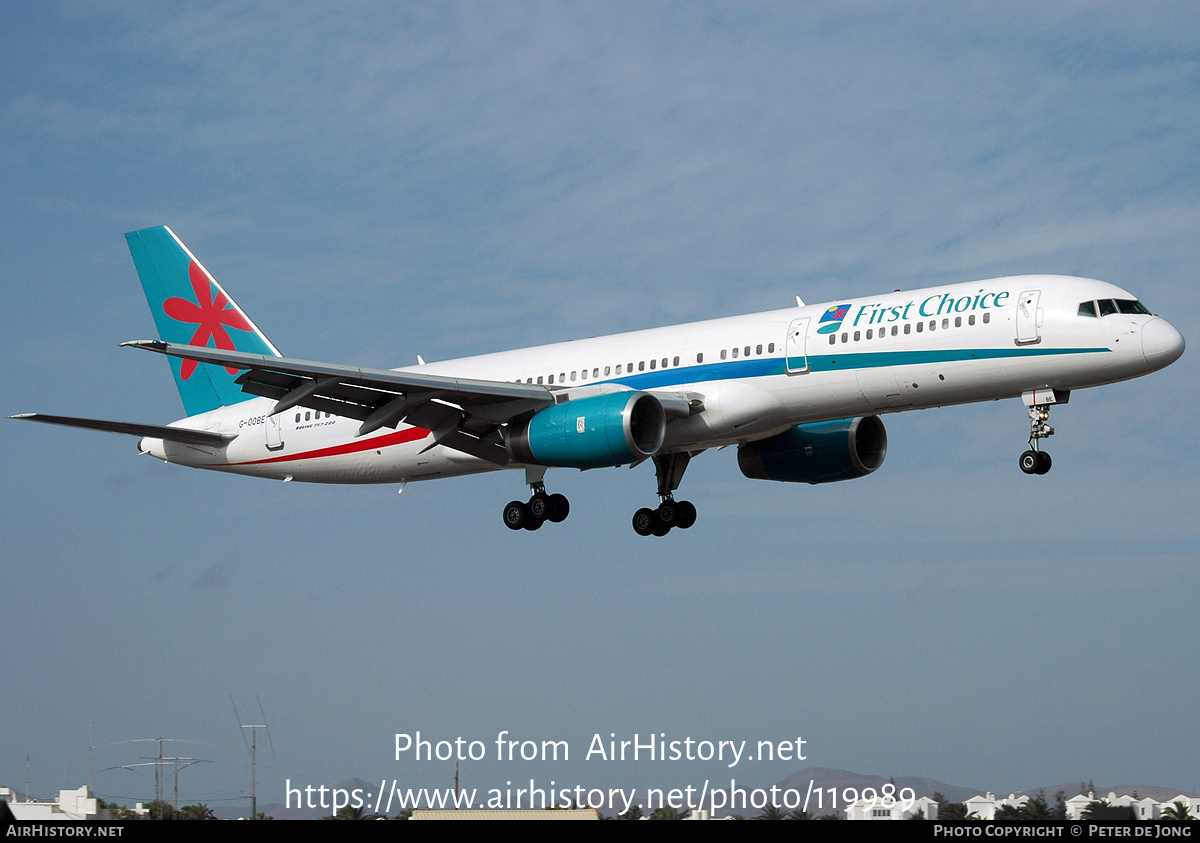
column 211, row 316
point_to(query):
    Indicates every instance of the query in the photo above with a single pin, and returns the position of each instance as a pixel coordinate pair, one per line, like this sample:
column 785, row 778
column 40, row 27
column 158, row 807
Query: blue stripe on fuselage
column 766, row 366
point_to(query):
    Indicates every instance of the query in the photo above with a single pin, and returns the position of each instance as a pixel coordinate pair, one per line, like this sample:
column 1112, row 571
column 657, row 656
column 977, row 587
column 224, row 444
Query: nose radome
column 1162, row 345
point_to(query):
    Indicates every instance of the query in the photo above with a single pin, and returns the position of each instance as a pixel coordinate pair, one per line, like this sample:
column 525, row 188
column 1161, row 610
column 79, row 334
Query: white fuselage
column 756, row 375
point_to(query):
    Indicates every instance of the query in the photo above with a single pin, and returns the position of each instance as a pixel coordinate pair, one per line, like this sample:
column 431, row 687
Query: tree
column 634, row 813
column 1100, row 809
column 120, row 812
column 199, row 811
column 772, row 812
column 1037, row 809
column 951, row 811
column 160, row 810
column 798, row 814
column 668, row 813
column 1178, row 811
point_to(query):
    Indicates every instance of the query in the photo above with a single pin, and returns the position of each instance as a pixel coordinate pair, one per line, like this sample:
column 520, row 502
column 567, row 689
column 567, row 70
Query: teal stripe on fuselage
column 767, row 366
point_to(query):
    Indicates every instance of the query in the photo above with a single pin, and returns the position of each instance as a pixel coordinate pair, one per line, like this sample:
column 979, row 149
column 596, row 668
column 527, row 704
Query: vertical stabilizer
column 189, row 307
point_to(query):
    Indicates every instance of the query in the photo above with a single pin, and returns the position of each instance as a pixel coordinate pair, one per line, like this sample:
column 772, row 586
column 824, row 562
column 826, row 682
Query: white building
column 866, row 809
column 76, row 804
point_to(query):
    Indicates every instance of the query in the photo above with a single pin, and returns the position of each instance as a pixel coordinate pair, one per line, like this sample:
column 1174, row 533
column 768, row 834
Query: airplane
column 799, row 391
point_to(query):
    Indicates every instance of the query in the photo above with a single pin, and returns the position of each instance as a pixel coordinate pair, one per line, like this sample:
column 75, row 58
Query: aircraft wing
column 172, row 434
column 462, row 413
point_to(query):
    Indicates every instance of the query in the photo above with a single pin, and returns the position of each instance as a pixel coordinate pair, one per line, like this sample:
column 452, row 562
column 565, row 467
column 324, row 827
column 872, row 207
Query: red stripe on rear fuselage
column 412, row 434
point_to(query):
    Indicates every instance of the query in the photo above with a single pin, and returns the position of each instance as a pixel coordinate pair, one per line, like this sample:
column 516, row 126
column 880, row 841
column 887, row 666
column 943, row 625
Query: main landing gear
column 539, row 509
column 1035, row 460
column 670, row 512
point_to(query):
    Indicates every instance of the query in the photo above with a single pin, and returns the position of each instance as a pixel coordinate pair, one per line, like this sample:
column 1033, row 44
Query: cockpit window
column 1087, row 308
column 1107, row 307
column 1132, row 306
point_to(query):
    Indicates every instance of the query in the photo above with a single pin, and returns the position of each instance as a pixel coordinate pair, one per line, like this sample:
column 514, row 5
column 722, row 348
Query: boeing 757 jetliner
column 800, row 391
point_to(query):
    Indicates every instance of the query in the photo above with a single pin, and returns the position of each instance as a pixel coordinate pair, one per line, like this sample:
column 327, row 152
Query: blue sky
column 375, row 182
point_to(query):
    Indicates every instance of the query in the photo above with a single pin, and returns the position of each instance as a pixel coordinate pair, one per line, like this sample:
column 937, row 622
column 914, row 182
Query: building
column 77, row 804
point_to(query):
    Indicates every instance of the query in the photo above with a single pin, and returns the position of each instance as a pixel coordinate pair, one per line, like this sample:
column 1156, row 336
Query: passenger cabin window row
column 1107, row 307
column 871, row 333
column 580, row 375
column 309, row 416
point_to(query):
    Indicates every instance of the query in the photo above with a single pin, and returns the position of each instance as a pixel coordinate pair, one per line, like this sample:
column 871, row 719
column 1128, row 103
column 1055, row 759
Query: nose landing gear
column 670, row 512
column 1035, row 460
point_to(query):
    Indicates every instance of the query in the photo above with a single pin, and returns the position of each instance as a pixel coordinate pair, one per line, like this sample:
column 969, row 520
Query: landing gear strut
column 1035, row 460
column 539, row 509
column 670, row 512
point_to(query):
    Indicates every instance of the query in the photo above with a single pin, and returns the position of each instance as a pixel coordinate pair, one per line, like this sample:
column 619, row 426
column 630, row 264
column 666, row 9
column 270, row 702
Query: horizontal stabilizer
column 154, row 431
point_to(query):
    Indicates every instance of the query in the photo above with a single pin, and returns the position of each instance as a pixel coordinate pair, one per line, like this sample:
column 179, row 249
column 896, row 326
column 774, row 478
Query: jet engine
column 821, row 452
column 594, row 432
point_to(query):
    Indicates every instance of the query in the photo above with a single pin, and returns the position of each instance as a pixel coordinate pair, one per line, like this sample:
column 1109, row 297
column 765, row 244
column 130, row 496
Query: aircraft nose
column 1162, row 345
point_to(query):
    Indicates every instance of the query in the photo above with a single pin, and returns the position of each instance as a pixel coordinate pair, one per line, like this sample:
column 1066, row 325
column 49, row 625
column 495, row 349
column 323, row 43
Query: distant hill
column 824, row 777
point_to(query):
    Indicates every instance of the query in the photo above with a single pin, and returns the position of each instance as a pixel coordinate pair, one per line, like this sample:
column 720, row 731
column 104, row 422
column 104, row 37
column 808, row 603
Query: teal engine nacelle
column 821, row 452
column 595, row 432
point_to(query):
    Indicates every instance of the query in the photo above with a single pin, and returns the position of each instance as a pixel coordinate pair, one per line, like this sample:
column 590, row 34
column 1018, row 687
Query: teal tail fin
column 190, row 308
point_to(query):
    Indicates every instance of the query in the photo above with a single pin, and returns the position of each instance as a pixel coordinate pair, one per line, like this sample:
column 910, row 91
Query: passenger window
column 530, row 380
column 652, row 362
column 870, row 333
column 895, row 330
column 907, row 328
column 771, row 348
column 857, row 334
column 583, row 375
column 1087, row 308
column 971, row 319
column 945, row 324
column 724, row 353
column 551, row 379
column 618, row 368
column 606, row 371
column 675, row 362
column 629, row 368
column 308, row 416
column 747, row 352
column 1107, row 307
column 758, row 349
column 297, row 417
column 562, row 377
column 539, row 378
column 641, row 365
column 920, row 327
column 572, row 377
column 735, row 353
column 845, row 337
column 957, row 321
column 933, row 324
column 664, row 362
column 832, row 339
column 700, row 357
column 987, row 317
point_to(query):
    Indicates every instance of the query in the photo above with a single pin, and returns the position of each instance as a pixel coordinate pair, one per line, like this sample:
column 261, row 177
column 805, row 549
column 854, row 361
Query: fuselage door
column 274, row 433
column 795, row 348
column 1029, row 317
